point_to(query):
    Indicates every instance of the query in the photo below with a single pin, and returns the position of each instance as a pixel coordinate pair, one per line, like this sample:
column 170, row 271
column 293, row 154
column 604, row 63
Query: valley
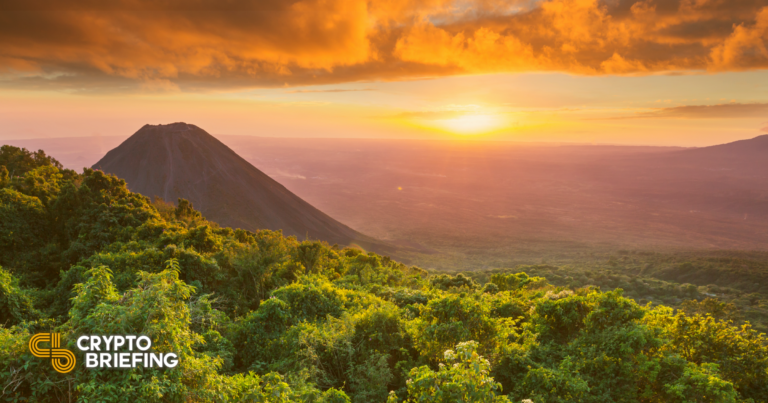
column 479, row 205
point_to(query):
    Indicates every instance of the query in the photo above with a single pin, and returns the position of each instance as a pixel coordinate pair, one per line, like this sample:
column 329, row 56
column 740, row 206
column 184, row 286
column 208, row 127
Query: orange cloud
column 177, row 41
column 745, row 48
column 225, row 44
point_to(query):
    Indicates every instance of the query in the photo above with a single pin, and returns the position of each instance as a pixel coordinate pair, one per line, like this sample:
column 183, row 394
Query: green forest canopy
column 258, row 317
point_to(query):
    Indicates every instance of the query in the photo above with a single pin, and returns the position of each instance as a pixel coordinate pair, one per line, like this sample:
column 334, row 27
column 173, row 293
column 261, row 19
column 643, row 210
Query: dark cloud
column 124, row 45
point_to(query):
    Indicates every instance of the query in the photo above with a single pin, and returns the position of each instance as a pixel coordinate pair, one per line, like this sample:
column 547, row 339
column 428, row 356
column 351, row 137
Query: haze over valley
column 479, row 204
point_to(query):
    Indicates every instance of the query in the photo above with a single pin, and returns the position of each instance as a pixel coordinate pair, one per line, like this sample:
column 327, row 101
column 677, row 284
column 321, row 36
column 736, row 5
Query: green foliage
column 5, row 177
column 258, row 317
column 402, row 296
column 23, row 226
column 680, row 280
column 43, row 182
column 24, row 377
column 97, row 289
column 156, row 308
column 446, row 282
column 15, row 303
column 258, row 337
column 515, row 281
column 508, row 305
column 312, row 299
column 699, row 384
column 739, row 353
column 184, row 211
column 257, row 268
column 19, row 161
column 560, row 316
column 464, row 379
column 711, row 306
column 447, row 321
column 547, row 385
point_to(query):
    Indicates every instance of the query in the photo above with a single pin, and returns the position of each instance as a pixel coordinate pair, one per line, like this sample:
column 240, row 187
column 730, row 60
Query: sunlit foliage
column 258, row 317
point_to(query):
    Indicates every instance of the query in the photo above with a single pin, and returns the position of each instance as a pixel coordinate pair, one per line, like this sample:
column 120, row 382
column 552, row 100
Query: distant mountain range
column 181, row 160
column 750, row 153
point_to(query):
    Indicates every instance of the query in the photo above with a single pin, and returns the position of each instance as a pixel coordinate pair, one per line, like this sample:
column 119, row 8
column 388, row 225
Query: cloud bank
column 212, row 45
column 720, row 111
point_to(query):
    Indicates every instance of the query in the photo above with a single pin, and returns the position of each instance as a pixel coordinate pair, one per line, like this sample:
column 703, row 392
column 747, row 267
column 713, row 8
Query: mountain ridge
column 181, row 160
column 738, row 149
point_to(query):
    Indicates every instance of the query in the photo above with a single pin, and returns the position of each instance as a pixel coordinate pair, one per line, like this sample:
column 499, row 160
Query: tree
column 15, row 303
column 452, row 319
column 463, row 378
column 19, row 160
column 739, row 353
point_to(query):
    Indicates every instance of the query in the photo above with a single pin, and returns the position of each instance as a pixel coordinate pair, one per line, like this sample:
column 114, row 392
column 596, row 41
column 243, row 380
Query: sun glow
column 471, row 124
column 459, row 119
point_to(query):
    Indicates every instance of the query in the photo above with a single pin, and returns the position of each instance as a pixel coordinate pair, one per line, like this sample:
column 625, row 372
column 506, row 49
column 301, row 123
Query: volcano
column 181, row 160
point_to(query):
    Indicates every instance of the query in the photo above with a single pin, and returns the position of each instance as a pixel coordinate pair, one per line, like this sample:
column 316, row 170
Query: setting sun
column 471, row 124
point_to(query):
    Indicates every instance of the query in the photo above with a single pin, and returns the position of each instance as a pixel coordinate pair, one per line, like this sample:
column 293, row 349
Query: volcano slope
column 181, row 160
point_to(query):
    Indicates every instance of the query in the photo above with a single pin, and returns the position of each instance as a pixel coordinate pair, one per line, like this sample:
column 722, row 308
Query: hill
column 181, row 160
column 742, row 150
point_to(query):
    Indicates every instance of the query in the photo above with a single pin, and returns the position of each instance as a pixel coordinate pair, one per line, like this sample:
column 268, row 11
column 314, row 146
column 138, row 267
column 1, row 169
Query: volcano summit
column 181, row 160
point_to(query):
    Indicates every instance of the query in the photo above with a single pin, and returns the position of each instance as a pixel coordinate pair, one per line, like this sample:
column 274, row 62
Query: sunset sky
column 662, row 72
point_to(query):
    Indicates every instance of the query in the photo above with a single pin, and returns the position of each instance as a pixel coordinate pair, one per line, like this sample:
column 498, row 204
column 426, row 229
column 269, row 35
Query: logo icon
column 62, row 359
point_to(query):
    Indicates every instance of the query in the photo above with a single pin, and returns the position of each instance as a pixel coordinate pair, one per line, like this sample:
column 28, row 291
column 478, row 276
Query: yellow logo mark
column 62, row 359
